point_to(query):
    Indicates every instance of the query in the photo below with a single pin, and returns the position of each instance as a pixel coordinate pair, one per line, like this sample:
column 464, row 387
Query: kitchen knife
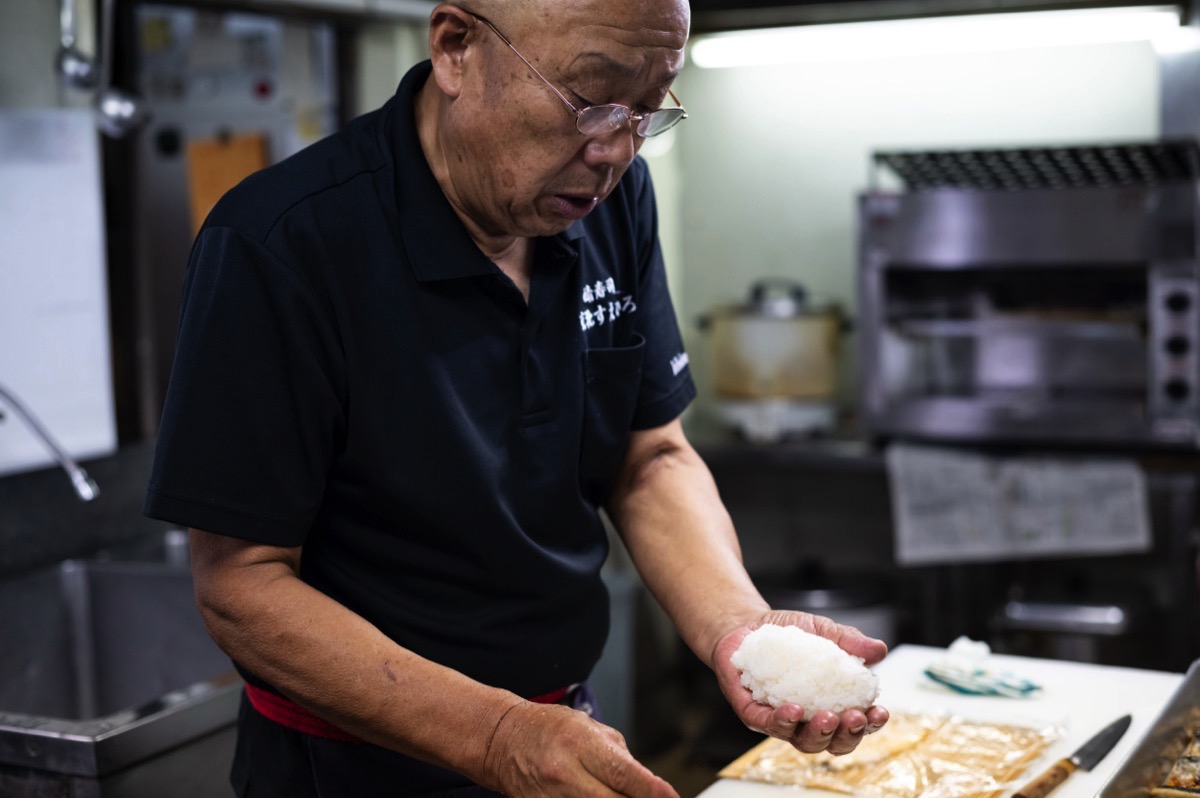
column 1086, row 758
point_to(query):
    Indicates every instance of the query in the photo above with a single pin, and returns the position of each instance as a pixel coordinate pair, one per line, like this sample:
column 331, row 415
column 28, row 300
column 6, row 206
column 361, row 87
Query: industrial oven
column 1044, row 295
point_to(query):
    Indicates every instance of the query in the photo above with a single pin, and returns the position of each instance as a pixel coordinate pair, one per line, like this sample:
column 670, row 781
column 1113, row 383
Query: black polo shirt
column 355, row 377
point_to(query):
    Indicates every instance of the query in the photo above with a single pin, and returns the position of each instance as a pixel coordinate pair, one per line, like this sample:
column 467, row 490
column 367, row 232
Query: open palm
column 809, row 729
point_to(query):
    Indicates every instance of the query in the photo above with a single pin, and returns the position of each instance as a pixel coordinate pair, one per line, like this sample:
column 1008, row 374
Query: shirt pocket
column 612, row 378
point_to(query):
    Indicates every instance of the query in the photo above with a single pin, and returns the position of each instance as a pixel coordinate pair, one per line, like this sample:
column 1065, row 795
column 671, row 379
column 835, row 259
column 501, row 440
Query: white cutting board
column 54, row 334
column 1080, row 698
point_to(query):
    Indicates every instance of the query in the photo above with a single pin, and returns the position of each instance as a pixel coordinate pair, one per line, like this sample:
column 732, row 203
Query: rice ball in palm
column 785, row 664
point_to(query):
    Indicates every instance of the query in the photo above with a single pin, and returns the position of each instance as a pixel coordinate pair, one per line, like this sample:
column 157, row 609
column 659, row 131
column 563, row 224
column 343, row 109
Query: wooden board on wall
column 216, row 165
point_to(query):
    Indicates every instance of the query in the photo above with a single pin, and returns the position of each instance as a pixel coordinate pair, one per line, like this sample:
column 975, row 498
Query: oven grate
column 1103, row 166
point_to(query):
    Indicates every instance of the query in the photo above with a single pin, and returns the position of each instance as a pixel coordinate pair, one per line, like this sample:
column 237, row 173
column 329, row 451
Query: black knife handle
column 1055, row 775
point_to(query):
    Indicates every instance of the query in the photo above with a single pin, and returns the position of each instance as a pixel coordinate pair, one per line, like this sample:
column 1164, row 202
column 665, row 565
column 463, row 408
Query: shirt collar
column 438, row 244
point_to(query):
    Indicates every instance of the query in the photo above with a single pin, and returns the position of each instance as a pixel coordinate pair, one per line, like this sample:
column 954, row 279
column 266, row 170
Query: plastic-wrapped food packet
column 924, row 755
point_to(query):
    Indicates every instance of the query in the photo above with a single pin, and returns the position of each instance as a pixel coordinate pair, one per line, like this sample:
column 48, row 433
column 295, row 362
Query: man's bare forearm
column 668, row 511
column 336, row 664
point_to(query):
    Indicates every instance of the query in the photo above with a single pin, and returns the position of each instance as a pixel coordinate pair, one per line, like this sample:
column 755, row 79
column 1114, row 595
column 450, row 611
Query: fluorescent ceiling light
column 1183, row 39
column 852, row 41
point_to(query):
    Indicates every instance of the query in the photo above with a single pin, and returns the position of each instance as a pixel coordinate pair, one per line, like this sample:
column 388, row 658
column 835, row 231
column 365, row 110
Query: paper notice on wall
column 956, row 506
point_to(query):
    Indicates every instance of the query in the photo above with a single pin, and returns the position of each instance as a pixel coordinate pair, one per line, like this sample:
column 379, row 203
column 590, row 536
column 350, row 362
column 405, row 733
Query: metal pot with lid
column 775, row 355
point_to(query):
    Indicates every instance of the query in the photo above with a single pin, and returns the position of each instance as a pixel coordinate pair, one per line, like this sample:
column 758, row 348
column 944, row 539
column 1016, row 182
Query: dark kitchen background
column 892, row 251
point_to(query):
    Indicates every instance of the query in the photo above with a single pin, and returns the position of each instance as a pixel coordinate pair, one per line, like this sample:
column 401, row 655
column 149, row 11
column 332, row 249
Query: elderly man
column 415, row 361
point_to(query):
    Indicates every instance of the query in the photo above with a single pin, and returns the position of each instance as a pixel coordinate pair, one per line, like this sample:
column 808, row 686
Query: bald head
column 552, row 16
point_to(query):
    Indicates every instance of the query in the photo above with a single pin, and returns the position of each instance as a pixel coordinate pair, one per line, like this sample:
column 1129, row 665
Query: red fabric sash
column 288, row 713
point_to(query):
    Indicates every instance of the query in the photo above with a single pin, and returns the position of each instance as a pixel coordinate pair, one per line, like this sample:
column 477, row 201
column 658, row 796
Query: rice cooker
column 775, row 361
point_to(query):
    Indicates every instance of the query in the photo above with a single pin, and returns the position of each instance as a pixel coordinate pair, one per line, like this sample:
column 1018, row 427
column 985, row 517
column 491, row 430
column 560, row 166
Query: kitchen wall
column 768, row 169
column 29, row 39
column 28, row 42
column 385, row 52
column 762, row 179
column 772, row 158
column 29, row 33
column 40, row 518
column 52, row 279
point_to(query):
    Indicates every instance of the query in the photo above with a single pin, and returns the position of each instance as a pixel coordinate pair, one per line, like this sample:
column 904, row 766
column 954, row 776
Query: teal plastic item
column 979, row 681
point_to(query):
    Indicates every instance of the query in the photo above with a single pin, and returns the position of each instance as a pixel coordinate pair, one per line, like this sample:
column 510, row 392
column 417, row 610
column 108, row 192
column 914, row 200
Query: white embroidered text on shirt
column 603, row 305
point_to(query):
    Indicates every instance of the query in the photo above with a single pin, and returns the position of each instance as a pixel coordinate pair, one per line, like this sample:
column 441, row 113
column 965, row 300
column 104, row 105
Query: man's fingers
column 815, row 735
column 632, row 779
column 785, row 721
column 876, row 718
column 851, row 730
column 561, row 752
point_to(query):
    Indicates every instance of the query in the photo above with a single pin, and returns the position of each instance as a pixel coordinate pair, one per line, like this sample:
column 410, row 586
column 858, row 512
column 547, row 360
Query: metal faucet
column 84, row 485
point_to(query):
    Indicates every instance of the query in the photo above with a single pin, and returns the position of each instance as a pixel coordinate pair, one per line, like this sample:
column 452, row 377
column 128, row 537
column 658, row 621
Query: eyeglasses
column 598, row 120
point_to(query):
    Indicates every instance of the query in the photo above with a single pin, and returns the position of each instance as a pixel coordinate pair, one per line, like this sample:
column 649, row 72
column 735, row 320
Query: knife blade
column 1085, row 758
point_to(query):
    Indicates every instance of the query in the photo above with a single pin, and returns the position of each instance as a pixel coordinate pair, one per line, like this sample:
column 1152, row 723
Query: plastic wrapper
column 965, row 669
column 929, row 755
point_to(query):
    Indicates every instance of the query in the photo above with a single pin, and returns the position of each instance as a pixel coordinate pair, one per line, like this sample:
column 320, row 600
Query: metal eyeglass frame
column 597, row 120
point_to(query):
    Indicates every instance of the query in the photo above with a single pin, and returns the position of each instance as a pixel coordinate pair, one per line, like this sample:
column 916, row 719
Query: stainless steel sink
column 105, row 666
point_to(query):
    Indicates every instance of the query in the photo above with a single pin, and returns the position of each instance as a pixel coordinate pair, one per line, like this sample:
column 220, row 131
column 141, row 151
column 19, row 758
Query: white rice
column 784, row 664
